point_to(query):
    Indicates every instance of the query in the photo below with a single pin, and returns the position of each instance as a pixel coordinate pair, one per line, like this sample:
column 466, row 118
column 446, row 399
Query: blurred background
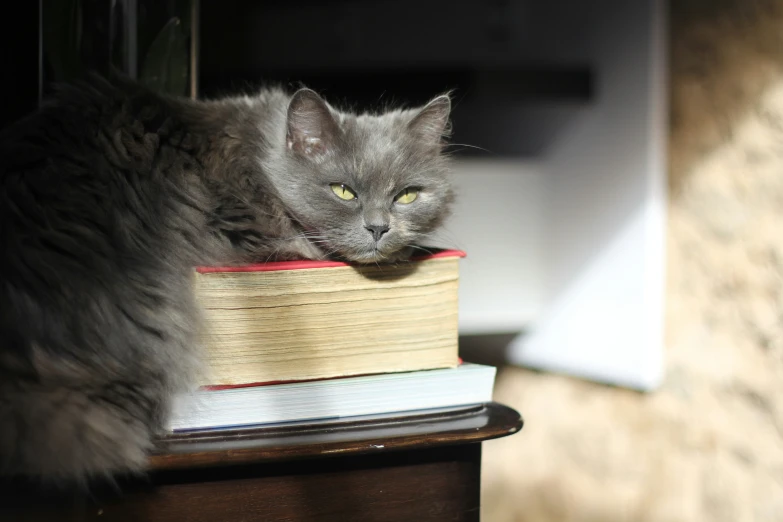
column 707, row 443
column 620, row 176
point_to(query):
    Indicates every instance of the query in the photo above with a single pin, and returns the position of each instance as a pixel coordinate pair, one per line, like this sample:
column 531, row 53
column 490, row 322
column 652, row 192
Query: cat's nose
column 377, row 231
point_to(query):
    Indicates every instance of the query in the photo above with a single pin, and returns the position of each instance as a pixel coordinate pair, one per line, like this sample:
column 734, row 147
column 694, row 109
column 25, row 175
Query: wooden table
column 412, row 469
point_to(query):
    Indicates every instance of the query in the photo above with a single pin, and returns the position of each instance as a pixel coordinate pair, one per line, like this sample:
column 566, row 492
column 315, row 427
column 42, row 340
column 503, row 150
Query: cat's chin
column 378, row 257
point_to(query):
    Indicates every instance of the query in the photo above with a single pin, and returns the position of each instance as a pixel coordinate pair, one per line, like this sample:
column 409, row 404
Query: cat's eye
column 343, row 191
column 407, row 196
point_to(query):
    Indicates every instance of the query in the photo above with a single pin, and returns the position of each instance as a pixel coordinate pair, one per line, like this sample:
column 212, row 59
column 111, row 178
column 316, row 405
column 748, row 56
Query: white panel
column 605, row 213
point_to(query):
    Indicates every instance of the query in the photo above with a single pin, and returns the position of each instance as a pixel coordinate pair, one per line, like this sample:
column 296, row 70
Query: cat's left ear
column 311, row 129
column 432, row 124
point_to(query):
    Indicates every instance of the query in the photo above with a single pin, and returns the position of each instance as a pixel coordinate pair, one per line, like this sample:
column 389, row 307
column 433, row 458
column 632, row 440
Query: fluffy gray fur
column 110, row 194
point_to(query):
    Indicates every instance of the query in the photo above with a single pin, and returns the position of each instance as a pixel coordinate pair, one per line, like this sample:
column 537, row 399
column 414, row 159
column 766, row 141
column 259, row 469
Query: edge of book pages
column 218, row 387
column 220, row 378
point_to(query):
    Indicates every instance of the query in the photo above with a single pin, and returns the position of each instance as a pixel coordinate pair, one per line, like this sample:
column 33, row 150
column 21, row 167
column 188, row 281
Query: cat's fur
column 110, row 194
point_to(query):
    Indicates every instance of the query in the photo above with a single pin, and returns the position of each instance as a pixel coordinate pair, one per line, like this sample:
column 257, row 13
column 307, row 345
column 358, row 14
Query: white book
column 465, row 385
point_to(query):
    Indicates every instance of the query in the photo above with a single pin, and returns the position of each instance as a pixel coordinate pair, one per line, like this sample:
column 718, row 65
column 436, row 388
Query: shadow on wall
column 491, row 349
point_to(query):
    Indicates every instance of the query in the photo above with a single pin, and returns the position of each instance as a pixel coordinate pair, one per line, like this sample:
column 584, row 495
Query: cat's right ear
column 431, row 124
column 311, row 128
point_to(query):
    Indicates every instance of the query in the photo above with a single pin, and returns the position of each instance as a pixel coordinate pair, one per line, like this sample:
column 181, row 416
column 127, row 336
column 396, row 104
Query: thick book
column 332, row 399
column 303, row 320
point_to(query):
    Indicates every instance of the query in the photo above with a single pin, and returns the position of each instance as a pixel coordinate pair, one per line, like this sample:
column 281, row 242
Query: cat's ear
column 431, row 124
column 311, row 129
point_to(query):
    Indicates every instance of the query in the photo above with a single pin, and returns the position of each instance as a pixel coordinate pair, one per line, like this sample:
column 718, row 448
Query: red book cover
column 306, row 264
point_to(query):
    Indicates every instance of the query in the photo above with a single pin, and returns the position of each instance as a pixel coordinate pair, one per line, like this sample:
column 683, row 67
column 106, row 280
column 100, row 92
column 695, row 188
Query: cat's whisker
column 469, row 147
column 272, row 255
column 305, row 235
column 329, row 254
column 425, row 250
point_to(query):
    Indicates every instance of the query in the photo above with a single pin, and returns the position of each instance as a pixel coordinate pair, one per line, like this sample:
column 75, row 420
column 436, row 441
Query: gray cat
column 110, row 194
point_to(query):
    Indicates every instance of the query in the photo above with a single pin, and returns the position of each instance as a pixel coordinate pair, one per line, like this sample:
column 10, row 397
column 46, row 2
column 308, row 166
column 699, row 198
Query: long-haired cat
column 111, row 194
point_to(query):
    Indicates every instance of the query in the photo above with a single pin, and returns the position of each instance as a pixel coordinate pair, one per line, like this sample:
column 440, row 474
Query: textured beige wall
column 708, row 446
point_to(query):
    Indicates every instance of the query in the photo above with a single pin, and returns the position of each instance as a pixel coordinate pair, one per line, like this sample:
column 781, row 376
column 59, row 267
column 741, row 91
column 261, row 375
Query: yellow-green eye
column 343, row 191
column 408, row 195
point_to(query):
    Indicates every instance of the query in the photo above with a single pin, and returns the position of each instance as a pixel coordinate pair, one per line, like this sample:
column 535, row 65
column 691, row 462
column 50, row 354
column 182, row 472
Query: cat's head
column 366, row 187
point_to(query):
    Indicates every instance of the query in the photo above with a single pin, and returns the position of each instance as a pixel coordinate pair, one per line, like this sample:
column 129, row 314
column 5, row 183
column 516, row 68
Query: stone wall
column 708, row 446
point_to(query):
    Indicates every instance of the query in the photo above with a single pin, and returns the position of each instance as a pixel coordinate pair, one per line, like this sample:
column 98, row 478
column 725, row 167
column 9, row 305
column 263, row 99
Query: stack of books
column 307, row 341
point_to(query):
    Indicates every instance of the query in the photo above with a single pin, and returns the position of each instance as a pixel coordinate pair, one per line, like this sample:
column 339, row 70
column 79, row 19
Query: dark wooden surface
column 438, row 484
column 372, row 435
column 424, row 468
